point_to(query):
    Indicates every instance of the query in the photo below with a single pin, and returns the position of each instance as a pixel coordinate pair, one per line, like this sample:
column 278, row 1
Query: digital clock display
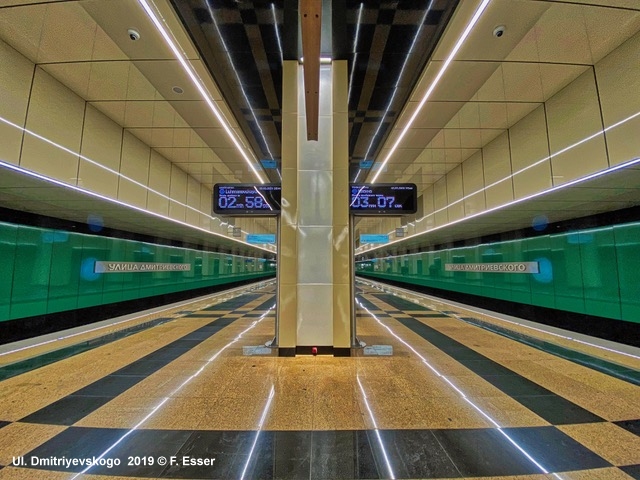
column 383, row 199
column 248, row 200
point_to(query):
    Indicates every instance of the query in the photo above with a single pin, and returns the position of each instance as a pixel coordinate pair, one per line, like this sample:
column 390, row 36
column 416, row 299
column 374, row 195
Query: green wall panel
column 8, row 238
column 594, row 271
column 627, row 239
column 49, row 271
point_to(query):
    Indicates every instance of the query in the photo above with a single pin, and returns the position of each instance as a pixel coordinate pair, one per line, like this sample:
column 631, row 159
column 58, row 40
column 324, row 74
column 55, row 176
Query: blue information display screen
column 383, row 199
column 246, row 200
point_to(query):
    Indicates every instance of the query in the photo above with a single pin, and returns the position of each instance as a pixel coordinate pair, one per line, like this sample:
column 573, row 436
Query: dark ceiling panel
column 387, row 44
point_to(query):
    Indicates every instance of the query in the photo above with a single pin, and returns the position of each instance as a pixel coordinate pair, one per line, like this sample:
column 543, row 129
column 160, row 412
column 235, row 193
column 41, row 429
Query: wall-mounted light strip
column 535, row 164
column 30, row 173
column 434, row 83
column 577, row 181
column 197, row 82
column 171, row 395
column 103, row 167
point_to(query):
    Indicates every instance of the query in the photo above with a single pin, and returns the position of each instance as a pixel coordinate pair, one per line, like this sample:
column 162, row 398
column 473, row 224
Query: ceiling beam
column 311, row 22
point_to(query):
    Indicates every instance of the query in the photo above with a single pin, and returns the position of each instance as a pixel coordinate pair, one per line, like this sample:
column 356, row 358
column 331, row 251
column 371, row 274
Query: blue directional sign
column 269, row 163
column 373, row 238
column 259, row 238
column 366, row 163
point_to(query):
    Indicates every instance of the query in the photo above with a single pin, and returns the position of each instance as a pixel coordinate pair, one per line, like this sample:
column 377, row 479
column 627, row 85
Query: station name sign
column 246, row 200
column 499, row 267
column 140, row 267
column 383, row 199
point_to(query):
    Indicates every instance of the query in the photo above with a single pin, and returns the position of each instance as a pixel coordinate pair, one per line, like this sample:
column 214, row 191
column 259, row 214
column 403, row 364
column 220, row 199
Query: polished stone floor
column 171, row 395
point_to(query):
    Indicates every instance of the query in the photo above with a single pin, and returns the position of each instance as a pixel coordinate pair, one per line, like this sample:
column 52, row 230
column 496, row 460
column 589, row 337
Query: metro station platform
column 174, row 394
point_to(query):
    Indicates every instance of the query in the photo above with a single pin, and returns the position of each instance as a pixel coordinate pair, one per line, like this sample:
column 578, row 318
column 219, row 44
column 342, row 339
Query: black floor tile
column 260, row 464
column 467, row 356
column 166, row 354
column 292, row 455
column 632, row 470
column 554, row 450
column 558, row 410
column 266, row 305
column 188, row 341
column 142, row 367
column 197, row 335
column 78, row 442
column 334, row 455
column 231, row 450
column 142, row 445
column 632, row 425
column 484, row 452
column 3, row 423
column 428, row 315
column 415, row 454
column 205, row 315
column 515, row 385
column 366, row 463
column 67, row 410
column 399, row 303
column 110, row 386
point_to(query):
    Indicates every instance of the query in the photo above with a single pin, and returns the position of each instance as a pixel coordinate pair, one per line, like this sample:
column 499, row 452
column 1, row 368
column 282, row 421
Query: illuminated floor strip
column 460, row 393
column 176, row 390
column 389, row 289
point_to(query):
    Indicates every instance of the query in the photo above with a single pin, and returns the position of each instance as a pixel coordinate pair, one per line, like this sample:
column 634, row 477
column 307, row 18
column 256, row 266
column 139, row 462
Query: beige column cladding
column 315, row 265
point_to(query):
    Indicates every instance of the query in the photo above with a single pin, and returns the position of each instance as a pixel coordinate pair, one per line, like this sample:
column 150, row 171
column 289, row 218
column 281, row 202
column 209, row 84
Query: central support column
column 315, row 298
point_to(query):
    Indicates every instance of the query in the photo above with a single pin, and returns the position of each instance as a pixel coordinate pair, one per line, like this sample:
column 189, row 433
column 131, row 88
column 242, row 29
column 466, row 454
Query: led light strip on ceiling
column 434, row 83
column 197, row 82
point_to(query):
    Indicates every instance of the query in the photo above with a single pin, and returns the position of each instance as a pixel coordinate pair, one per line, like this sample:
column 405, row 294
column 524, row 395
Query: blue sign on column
column 269, row 163
column 259, row 238
column 373, row 238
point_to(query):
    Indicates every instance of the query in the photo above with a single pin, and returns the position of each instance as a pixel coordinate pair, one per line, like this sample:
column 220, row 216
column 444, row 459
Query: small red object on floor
column 314, row 351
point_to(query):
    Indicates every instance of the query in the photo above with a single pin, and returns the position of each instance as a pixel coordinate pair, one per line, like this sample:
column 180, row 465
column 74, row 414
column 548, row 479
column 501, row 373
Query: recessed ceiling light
column 178, row 90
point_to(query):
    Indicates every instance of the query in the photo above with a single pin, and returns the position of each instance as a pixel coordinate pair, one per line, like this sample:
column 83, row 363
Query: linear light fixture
column 30, row 173
column 197, row 82
column 539, row 162
column 620, row 166
column 395, row 87
column 535, row 164
column 434, row 83
column 103, row 167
